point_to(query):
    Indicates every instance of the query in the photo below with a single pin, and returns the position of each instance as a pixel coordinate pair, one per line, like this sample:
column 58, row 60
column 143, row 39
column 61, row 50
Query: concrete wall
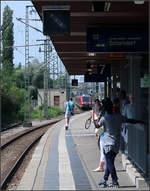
column 51, row 93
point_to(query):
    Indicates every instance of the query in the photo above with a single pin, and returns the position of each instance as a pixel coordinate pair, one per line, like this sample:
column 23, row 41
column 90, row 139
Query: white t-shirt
column 96, row 112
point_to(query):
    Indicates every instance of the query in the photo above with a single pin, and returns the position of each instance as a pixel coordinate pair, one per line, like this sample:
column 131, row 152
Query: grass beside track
column 52, row 112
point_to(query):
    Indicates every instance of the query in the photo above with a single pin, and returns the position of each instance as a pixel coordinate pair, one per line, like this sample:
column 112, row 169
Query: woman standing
column 111, row 140
column 96, row 111
column 96, row 115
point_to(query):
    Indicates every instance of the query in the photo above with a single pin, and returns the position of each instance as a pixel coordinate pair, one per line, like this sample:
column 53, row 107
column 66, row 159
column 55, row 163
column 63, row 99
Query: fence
column 137, row 147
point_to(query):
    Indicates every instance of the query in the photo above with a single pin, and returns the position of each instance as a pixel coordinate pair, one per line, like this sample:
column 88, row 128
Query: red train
column 84, row 102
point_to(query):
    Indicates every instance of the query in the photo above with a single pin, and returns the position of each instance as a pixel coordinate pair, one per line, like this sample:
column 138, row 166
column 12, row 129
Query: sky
column 19, row 8
column 19, row 31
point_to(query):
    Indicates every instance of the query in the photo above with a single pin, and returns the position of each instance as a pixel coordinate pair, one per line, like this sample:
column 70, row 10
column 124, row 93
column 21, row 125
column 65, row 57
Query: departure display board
column 123, row 39
column 102, row 73
column 56, row 20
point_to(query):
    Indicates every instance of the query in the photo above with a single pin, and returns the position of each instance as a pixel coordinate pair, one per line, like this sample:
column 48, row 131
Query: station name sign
column 123, row 39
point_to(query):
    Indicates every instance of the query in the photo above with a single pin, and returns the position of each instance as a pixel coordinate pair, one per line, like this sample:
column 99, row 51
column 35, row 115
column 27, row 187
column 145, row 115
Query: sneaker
column 66, row 128
column 114, row 185
column 103, row 184
column 98, row 170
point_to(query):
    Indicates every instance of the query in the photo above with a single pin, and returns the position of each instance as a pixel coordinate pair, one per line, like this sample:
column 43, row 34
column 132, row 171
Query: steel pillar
column 0, row 63
column 105, row 89
column 45, row 80
column 27, row 103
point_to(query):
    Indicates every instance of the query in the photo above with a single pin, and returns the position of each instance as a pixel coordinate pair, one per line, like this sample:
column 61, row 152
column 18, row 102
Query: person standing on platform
column 96, row 111
column 67, row 114
column 116, row 105
column 130, row 108
column 96, row 115
column 130, row 113
column 72, row 106
column 111, row 140
column 123, row 103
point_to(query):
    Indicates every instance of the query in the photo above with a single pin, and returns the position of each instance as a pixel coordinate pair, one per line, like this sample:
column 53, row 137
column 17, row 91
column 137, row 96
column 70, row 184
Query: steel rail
column 18, row 163
column 27, row 132
column 11, row 126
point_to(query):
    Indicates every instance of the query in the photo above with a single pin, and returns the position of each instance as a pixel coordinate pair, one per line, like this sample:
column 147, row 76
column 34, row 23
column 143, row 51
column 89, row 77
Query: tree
column 38, row 80
column 19, row 76
column 60, row 82
column 7, row 40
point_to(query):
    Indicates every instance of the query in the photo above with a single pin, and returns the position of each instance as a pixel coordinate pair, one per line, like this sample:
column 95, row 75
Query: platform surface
column 64, row 160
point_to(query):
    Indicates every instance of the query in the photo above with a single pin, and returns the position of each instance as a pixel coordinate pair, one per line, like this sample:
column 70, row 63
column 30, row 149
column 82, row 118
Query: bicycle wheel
column 88, row 123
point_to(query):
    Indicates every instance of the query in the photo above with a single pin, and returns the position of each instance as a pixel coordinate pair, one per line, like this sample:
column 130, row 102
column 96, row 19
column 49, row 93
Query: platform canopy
column 72, row 48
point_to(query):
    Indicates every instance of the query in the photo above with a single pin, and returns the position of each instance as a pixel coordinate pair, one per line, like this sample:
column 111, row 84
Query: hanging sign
column 56, row 20
column 120, row 39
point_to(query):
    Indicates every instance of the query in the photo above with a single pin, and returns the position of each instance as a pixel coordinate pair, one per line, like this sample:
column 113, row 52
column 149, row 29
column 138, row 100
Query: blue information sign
column 121, row 39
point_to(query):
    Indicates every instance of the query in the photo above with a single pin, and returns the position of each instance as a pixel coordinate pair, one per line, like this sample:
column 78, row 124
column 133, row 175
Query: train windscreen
column 86, row 99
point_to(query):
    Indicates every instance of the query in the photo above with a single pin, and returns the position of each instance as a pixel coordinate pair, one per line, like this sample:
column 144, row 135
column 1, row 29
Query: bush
column 52, row 112
column 37, row 114
column 12, row 105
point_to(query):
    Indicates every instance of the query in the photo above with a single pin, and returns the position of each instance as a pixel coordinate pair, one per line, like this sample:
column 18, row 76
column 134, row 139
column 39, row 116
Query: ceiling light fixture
column 139, row 2
column 89, row 69
column 107, row 7
column 91, row 54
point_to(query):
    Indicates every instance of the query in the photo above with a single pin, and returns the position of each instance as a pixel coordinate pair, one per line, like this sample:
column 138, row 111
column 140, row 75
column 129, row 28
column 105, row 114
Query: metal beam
column 83, row 58
column 67, row 38
column 70, row 43
column 107, row 14
column 66, row 1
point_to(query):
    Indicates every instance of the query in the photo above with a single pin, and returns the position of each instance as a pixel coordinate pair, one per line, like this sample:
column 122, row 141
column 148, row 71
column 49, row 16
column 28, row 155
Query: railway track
column 11, row 126
column 14, row 151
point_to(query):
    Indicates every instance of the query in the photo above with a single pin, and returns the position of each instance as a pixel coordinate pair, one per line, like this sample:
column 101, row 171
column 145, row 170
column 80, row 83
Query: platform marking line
column 81, row 135
column 66, row 180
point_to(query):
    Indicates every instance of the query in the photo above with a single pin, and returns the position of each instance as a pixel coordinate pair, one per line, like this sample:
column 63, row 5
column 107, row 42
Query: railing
column 136, row 148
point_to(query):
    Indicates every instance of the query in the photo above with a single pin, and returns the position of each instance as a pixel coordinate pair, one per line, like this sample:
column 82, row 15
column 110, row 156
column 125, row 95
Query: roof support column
column 105, row 89
column 109, row 87
column 114, row 84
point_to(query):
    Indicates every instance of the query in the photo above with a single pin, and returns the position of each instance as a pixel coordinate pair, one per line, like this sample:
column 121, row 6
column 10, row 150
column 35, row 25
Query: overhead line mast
column 27, row 101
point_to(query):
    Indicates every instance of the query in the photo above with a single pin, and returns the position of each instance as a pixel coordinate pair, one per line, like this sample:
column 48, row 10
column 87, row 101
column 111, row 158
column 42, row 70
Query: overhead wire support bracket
column 26, row 23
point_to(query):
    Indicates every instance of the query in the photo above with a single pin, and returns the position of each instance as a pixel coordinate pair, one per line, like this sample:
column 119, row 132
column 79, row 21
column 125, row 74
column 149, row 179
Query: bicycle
column 88, row 122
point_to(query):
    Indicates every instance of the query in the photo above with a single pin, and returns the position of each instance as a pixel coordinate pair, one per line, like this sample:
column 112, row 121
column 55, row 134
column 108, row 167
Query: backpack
column 71, row 109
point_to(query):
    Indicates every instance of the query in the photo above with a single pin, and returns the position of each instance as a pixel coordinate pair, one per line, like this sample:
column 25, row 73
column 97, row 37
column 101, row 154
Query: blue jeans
column 110, row 167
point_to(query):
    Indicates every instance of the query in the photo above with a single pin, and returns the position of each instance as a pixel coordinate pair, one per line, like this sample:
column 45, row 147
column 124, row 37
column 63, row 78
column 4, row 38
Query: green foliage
column 7, row 40
column 60, row 82
column 38, row 79
column 37, row 114
column 18, row 77
column 33, row 92
column 12, row 102
column 12, row 83
column 52, row 112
